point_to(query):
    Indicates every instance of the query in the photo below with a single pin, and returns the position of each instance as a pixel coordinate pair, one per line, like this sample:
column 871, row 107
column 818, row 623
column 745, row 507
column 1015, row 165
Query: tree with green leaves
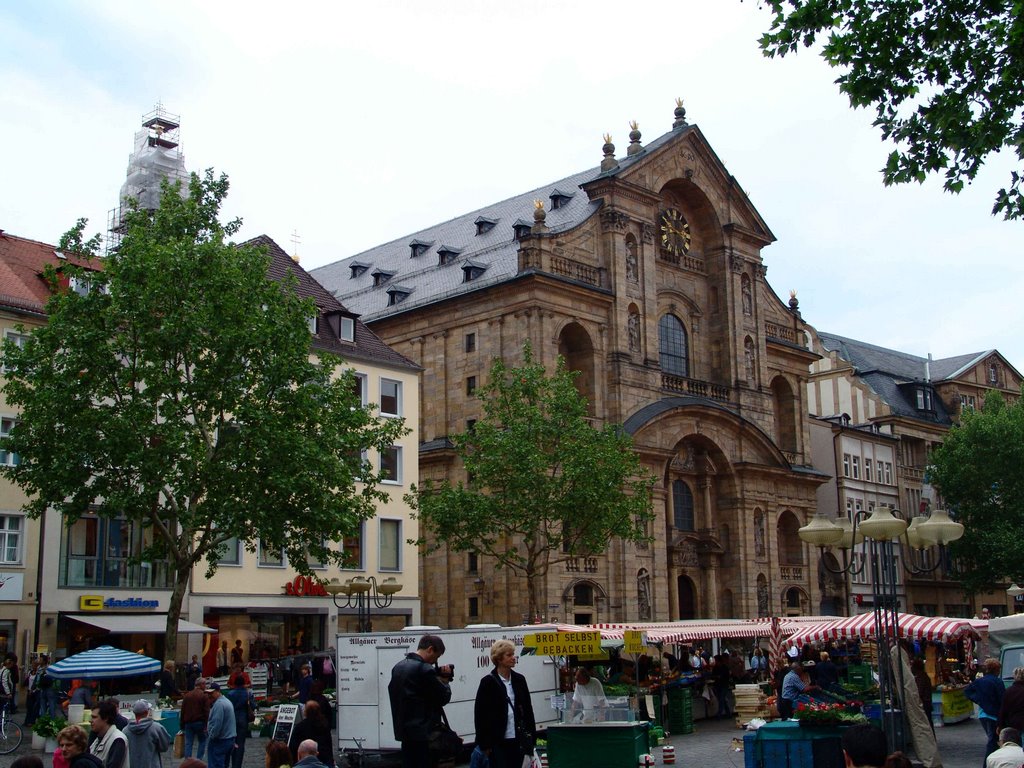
column 174, row 387
column 544, row 485
column 944, row 77
column 977, row 469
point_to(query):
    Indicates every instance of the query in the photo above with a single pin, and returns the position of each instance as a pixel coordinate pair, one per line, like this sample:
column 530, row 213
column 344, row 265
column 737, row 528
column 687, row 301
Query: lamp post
column 882, row 530
column 362, row 594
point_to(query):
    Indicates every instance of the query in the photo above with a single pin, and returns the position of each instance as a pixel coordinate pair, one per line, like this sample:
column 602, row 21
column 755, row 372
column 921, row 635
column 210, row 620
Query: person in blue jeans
column 195, row 710
column 987, row 692
column 220, row 729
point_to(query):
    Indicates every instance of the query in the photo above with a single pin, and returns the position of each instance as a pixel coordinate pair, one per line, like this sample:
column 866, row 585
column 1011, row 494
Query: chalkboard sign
column 287, row 714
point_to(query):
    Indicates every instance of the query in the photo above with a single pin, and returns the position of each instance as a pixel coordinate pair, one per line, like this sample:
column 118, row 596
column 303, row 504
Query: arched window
column 682, row 506
column 791, row 550
column 784, row 407
column 673, row 347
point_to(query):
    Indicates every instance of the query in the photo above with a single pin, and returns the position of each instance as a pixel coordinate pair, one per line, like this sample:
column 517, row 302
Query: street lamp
column 362, row 593
column 881, row 529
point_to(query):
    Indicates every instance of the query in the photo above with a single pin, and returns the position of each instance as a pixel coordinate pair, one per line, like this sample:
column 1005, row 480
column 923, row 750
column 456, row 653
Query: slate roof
column 22, row 261
column 367, row 346
column 497, row 249
column 884, row 370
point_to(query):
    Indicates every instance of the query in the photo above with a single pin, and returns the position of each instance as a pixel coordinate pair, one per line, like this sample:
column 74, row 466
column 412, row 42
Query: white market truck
column 1006, row 635
column 364, row 663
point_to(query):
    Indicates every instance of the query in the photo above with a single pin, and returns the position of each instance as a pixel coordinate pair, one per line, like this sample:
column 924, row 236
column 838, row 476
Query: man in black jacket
column 418, row 690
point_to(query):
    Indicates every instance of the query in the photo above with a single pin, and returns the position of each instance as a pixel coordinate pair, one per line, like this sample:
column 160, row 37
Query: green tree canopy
column 544, row 485
column 946, row 79
column 174, row 387
column 978, row 471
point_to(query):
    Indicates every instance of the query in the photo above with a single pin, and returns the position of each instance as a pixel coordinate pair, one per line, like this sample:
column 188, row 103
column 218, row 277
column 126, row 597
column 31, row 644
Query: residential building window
column 472, row 562
column 858, row 568
column 18, row 339
column 313, row 561
column 993, row 377
column 924, row 399
column 855, row 466
column 470, row 385
column 8, row 458
column 352, row 548
column 391, row 465
column 270, row 556
column 868, row 471
column 390, row 397
column 858, row 505
column 682, row 506
column 958, row 610
column 11, row 528
column 390, row 545
column 348, row 329
column 888, row 473
column 314, row 324
column 471, row 342
column 926, row 609
column 846, row 465
column 672, row 346
column 359, row 387
column 103, row 552
column 232, row 552
column 879, row 472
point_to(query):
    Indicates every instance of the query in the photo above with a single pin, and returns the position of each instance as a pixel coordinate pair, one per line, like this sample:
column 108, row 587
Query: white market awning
column 145, row 624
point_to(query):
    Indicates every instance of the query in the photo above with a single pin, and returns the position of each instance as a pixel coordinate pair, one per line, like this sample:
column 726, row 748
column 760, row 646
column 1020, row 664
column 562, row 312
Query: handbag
column 443, row 743
column 524, row 739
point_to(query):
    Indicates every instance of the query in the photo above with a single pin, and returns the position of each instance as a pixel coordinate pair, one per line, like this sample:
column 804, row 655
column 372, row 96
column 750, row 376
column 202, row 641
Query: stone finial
column 680, row 113
column 539, row 215
column 634, row 139
column 794, row 304
column 609, row 162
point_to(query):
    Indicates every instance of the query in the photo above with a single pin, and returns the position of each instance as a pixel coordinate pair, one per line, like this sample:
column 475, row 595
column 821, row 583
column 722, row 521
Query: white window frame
column 8, row 458
column 361, row 565
column 348, row 329
column 398, row 396
column 888, row 473
column 20, row 339
column 397, row 479
column 261, row 563
column 6, row 533
column 869, row 474
column 846, row 465
column 398, row 545
column 237, row 562
column 364, row 387
column 855, row 466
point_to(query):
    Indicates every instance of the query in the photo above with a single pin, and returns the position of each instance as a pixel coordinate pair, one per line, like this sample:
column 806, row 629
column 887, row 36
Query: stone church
column 645, row 273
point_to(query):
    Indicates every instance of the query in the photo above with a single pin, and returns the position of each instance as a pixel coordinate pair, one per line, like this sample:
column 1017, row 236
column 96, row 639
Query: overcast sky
column 356, row 123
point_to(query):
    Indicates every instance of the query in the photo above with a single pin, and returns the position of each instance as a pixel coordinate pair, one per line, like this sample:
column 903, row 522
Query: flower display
column 823, row 713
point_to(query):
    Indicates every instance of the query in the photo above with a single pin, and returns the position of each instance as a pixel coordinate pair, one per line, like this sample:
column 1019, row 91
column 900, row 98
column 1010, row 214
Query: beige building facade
column 646, row 275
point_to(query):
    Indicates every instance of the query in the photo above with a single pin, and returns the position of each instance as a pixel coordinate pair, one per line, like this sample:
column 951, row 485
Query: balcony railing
column 694, row 387
column 792, row 572
column 913, row 474
column 581, row 565
column 691, row 262
column 576, row 270
column 776, row 331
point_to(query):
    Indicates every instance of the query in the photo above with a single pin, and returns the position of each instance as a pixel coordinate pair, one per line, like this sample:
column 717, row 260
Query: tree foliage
column 946, row 79
column 175, row 389
column 977, row 469
column 544, row 485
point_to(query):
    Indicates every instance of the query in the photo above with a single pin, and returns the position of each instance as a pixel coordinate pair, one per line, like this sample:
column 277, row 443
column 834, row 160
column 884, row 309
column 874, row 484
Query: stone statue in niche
column 634, row 332
column 762, row 600
column 643, row 589
column 631, row 263
column 747, row 296
column 748, row 360
column 759, row 535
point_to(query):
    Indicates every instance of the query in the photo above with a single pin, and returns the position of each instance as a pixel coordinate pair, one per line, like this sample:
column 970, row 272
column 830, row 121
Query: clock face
column 675, row 232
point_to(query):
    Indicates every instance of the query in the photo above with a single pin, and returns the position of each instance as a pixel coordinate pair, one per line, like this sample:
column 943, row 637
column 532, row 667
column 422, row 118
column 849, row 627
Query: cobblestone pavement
column 711, row 745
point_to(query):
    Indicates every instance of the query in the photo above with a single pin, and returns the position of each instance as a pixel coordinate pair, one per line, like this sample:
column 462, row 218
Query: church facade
column 645, row 273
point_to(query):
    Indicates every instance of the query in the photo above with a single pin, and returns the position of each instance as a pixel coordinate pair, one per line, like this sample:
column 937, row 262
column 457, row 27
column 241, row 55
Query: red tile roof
column 22, row 287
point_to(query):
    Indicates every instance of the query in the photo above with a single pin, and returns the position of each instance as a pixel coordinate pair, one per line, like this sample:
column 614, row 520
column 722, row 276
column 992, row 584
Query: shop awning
column 933, row 628
column 144, row 624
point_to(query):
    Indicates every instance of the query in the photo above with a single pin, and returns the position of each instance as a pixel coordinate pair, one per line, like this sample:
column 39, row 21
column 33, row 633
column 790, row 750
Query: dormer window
column 484, row 224
column 397, row 295
column 418, row 248
column 924, row 398
column 348, row 329
column 380, row 277
column 357, row 268
column 446, row 254
column 559, row 199
column 521, row 229
column 472, row 270
column 314, row 324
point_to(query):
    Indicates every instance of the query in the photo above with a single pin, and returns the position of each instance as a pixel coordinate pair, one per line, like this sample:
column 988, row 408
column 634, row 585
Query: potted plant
column 48, row 727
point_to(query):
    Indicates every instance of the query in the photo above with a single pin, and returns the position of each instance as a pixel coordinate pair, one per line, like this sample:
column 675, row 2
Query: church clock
column 675, row 232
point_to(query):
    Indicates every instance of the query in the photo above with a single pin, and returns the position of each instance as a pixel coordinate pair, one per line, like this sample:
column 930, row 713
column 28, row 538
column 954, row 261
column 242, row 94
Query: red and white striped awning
column 686, row 632
column 931, row 628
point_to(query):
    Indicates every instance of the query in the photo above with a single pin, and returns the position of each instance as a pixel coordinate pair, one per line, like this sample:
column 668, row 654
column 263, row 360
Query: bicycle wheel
column 10, row 737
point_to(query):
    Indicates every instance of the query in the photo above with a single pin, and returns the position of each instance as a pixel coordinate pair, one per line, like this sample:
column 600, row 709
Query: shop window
column 391, row 465
column 11, row 529
column 271, row 556
column 390, row 545
column 390, row 397
column 8, row 458
column 101, row 552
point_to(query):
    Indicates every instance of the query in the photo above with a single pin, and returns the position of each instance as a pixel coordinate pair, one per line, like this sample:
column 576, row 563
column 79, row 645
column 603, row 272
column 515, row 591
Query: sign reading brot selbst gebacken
column 564, row 643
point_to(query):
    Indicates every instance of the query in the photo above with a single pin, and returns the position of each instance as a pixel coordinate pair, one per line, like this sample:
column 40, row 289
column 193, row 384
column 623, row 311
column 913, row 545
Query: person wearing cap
column 1009, row 754
column 147, row 741
column 220, row 729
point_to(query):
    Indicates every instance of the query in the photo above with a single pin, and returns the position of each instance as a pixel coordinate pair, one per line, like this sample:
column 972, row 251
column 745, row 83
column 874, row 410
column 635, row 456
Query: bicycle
column 10, row 732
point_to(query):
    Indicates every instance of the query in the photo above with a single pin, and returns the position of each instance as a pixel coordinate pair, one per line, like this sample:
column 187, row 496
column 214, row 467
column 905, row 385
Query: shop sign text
column 304, row 586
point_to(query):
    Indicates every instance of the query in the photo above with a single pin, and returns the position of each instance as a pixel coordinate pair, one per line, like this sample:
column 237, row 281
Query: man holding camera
column 418, row 690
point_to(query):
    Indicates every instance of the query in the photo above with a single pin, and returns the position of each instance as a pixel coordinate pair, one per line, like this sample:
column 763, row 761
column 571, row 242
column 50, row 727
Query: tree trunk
column 532, row 586
column 181, row 577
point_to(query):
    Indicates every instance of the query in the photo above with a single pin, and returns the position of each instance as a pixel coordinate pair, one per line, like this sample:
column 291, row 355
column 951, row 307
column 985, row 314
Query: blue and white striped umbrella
column 103, row 663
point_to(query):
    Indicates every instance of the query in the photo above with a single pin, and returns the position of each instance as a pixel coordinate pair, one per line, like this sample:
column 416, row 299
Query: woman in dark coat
column 1011, row 713
column 502, row 709
column 313, row 726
